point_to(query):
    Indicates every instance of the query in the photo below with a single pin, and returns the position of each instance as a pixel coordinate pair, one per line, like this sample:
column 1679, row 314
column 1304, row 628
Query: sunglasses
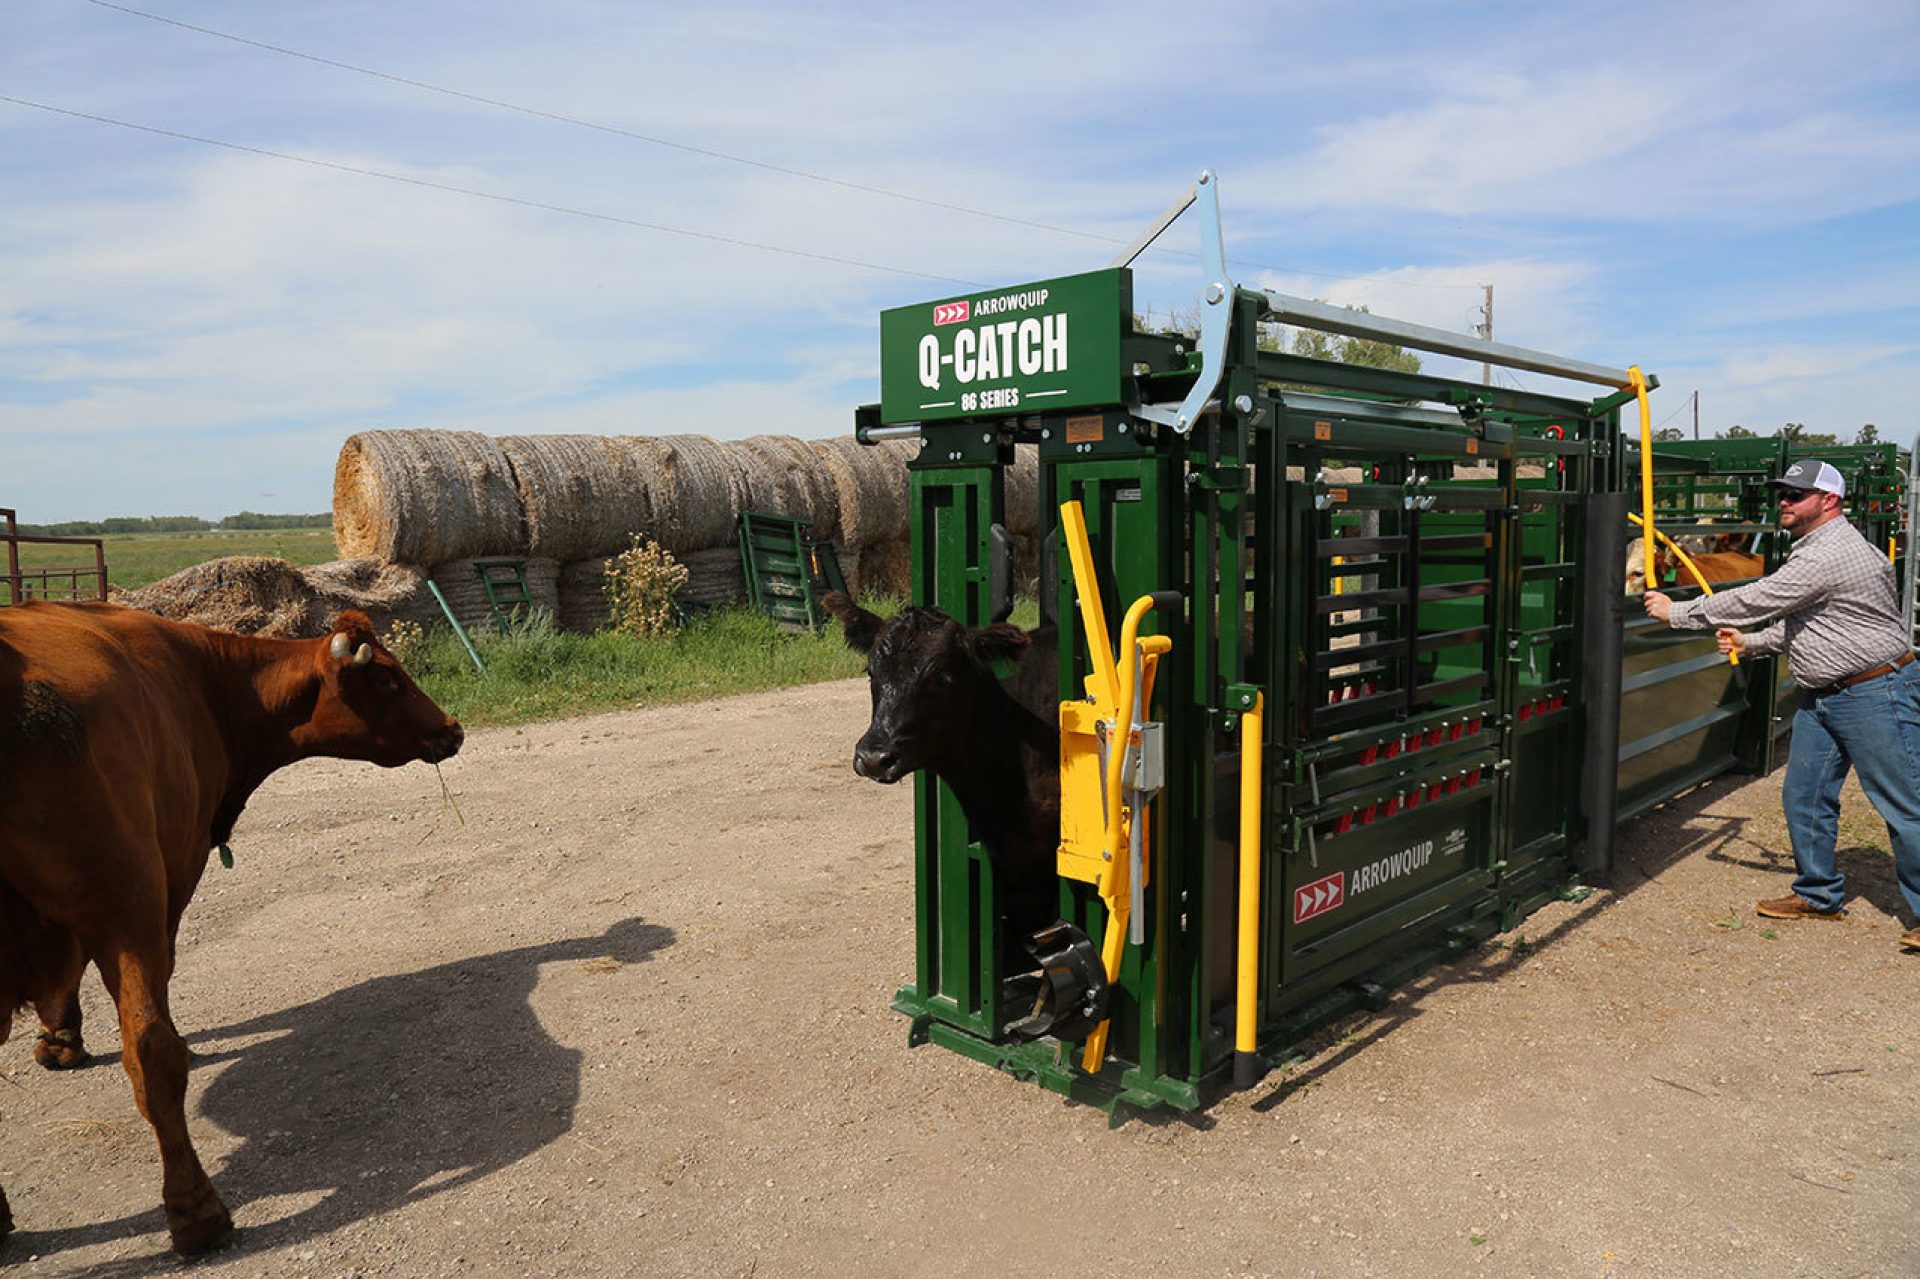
column 1791, row 496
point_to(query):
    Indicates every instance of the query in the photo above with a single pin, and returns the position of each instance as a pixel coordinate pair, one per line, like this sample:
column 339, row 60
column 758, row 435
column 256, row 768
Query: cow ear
column 860, row 626
column 1000, row 642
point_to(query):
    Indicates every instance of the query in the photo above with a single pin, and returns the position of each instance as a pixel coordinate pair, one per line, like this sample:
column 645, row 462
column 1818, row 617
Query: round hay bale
column 583, row 606
column 870, row 483
column 425, row 497
column 1026, row 564
column 459, row 580
column 1023, row 491
column 714, row 578
column 706, row 494
column 244, row 594
column 808, row 492
column 584, row 495
column 886, row 568
column 649, row 462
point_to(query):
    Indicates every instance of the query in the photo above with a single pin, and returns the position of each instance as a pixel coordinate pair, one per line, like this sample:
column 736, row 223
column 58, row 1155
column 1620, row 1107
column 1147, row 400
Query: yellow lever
column 1733, row 655
column 1118, row 684
column 1645, row 519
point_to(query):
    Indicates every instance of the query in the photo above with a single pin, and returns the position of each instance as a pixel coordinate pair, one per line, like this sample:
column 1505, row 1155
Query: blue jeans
column 1873, row 727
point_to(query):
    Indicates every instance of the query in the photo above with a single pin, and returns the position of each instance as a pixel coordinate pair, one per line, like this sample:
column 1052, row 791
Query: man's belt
column 1885, row 668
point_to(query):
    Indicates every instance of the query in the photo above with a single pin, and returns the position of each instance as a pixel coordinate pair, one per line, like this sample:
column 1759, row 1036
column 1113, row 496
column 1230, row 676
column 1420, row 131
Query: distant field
column 135, row 559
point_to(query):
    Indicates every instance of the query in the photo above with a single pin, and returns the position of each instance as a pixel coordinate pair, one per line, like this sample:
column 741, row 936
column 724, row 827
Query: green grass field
column 135, row 559
column 537, row 673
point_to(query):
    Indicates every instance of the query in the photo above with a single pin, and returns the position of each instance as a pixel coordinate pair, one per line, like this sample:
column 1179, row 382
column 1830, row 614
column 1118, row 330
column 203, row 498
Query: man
column 1835, row 614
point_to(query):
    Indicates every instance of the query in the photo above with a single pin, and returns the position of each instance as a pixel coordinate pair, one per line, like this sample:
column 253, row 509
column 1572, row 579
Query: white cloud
column 1769, row 368
column 208, row 317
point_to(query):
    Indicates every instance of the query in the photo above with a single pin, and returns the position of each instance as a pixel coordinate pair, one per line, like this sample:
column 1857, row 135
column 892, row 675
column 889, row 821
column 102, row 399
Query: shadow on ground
column 376, row 1096
column 1645, row 849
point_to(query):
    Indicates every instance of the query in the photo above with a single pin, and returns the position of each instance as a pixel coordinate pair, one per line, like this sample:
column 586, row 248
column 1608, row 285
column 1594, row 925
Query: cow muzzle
column 447, row 743
column 879, row 764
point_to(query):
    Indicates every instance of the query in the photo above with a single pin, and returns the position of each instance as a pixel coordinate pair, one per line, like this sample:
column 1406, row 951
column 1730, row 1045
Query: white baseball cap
column 1809, row 474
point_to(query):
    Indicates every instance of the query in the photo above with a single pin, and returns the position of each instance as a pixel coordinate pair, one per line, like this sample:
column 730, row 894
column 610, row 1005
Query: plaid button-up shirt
column 1833, row 608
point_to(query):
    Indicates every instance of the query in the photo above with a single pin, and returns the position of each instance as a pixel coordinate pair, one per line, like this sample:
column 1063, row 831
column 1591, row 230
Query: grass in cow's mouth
column 447, row 794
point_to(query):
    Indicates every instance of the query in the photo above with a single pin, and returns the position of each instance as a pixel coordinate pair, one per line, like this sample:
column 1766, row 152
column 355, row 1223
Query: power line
column 708, row 153
column 489, row 195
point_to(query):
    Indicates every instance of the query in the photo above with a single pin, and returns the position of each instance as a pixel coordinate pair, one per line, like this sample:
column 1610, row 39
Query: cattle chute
column 1404, row 699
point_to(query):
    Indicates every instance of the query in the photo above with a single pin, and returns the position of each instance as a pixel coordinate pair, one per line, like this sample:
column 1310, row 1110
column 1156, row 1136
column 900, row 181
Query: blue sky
column 1725, row 194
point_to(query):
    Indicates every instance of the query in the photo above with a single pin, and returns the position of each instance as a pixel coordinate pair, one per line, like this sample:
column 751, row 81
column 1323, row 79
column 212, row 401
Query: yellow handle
column 1093, row 617
column 1733, row 656
column 1645, row 519
column 1639, row 382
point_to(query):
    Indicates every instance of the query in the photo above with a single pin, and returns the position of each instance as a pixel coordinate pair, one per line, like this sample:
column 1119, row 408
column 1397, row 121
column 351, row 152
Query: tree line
column 1795, row 433
column 119, row 524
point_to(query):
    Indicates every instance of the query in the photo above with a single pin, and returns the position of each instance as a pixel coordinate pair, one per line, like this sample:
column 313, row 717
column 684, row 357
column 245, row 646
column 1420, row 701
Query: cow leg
column 156, row 1062
column 6, row 1215
column 60, row 1047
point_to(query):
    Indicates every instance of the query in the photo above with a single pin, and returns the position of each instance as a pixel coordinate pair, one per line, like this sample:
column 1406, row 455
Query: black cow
column 938, row 704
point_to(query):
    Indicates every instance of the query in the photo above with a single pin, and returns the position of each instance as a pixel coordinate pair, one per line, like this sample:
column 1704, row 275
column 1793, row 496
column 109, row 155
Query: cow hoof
column 61, row 1050
column 204, row 1229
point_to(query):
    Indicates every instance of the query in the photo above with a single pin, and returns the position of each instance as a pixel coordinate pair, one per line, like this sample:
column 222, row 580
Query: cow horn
column 339, row 651
column 363, row 655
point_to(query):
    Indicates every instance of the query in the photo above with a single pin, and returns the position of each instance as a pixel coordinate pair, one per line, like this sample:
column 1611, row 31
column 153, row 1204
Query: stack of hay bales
column 439, row 500
column 411, row 506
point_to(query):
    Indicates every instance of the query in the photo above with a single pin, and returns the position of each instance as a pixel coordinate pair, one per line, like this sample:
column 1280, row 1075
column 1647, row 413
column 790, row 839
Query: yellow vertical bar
column 1639, row 381
column 1247, row 982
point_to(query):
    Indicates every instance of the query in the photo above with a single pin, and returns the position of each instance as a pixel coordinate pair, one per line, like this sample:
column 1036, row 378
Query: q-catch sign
column 1030, row 348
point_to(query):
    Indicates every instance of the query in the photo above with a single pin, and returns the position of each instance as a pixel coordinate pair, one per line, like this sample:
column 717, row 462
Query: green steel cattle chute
column 1395, row 698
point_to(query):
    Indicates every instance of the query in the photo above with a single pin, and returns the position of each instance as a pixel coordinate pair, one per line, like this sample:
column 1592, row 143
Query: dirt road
column 627, row 1015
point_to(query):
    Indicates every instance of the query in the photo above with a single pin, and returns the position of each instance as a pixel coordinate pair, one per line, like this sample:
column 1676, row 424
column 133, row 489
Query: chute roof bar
column 1360, row 324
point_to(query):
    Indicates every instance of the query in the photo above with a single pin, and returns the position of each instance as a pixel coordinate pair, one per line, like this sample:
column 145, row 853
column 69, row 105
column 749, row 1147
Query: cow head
column 928, row 675
column 371, row 709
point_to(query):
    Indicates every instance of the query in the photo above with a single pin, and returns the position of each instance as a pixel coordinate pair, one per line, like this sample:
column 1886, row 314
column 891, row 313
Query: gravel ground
column 625, row 1013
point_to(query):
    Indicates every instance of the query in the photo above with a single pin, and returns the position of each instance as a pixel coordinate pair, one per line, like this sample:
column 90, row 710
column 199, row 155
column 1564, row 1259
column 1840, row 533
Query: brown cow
column 1721, row 566
column 128, row 746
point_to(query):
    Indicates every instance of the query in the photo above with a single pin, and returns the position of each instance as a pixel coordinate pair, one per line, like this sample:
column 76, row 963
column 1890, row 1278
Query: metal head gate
column 1419, row 579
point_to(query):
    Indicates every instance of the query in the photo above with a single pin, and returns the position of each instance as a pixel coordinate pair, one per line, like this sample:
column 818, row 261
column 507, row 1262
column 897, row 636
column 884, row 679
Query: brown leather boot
column 1794, row 906
column 1910, row 940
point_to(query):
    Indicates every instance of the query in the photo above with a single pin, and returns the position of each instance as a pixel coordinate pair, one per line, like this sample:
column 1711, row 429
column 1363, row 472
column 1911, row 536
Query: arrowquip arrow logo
column 1319, row 897
column 952, row 313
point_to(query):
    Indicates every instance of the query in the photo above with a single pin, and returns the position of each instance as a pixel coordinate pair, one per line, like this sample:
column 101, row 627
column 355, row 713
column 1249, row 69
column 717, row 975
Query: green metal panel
column 778, row 565
column 1129, row 493
column 960, row 956
column 505, row 582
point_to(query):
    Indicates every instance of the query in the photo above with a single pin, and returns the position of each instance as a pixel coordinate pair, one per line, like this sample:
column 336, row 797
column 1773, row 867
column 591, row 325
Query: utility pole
column 1485, row 330
column 1696, row 415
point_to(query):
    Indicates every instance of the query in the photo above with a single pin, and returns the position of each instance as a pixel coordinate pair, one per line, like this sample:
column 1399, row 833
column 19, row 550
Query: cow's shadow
column 379, row 1095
